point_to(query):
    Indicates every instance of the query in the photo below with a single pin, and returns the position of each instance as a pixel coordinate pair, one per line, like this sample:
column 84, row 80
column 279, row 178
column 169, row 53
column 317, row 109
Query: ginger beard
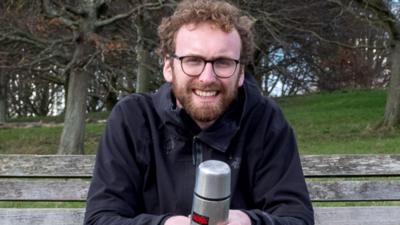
column 204, row 111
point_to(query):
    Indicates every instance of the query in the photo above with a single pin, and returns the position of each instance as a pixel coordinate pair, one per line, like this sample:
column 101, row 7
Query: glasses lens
column 192, row 65
column 224, row 67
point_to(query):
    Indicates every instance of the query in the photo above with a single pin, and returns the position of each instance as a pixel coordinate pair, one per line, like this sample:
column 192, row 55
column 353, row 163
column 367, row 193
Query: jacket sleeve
column 279, row 191
column 114, row 195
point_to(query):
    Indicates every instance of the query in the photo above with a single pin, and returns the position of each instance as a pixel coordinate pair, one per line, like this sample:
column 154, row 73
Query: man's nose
column 208, row 74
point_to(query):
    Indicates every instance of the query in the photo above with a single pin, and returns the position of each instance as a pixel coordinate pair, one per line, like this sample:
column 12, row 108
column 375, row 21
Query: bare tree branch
column 52, row 13
column 20, row 36
column 115, row 18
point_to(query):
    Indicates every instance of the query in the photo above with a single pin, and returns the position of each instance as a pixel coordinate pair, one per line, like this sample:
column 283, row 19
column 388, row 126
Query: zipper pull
column 197, row 154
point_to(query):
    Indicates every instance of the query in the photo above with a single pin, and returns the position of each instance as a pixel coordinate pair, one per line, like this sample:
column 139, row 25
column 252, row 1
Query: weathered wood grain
column 368, row 215
column 66, row 178
column 46, row 165
column 313, row 165
column 381, row 190
column 351, row 165
column 76, row 189
column 41, row 216
column 389, row 215
column 44, row 189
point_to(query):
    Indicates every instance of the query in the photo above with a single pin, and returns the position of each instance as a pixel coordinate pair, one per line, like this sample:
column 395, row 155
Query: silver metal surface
column 215, row 212
column 213, row 180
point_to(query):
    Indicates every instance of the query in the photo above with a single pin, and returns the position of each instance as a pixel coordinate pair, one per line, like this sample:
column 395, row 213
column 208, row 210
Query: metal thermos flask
column 212, row 193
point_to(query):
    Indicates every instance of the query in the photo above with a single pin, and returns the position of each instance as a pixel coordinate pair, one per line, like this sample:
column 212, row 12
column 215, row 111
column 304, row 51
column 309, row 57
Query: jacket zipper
column 197, row 153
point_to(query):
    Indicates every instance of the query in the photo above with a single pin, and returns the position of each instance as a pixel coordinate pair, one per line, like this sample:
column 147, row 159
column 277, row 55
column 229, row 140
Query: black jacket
column 145, row 164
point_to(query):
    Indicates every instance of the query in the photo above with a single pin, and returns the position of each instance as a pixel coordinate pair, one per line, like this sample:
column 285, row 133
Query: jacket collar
column 220, row 134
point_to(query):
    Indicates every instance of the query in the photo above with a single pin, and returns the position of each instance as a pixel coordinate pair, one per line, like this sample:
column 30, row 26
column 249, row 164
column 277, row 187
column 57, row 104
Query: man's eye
column 224, row 62
column 193, row 60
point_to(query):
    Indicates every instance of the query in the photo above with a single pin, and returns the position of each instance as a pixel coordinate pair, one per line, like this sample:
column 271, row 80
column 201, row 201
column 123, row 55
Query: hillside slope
column 325, row 123
column 340, row 122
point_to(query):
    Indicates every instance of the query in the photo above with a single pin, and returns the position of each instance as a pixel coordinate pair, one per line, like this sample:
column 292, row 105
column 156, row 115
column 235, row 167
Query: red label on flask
column 203, row 220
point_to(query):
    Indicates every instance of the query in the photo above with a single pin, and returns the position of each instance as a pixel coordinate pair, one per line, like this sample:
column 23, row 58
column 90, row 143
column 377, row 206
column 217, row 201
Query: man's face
column 206, row 96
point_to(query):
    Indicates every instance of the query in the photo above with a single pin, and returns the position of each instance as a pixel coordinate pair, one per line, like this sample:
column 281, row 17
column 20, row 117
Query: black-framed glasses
column 193, row 66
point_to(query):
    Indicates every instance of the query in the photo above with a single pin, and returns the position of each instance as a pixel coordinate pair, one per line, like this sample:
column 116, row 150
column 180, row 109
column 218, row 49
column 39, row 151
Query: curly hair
column 221, row 14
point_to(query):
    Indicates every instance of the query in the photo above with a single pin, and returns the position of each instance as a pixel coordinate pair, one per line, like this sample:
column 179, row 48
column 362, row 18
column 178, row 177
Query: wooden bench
column 362, row 179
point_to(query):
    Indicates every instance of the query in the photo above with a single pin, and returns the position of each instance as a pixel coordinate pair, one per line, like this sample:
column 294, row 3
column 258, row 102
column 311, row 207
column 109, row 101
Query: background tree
column 74, row 41
column 289, row 32
column 85, row 19
column 3, row 96
column 390, row 21
column 88, row 54
column 384, row 14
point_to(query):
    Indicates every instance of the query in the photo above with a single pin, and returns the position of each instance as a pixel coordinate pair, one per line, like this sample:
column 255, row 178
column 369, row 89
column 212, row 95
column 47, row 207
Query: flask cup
column 212, row 191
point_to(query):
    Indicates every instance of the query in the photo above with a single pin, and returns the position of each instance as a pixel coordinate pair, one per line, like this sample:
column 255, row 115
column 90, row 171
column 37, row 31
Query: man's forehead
column 210, row 24
column 207, row 31
column 203, row 35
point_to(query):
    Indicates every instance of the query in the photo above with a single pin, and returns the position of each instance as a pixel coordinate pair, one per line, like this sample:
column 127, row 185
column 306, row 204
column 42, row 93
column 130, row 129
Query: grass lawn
column 44, row 140
column 340, row 123
column 325, row 123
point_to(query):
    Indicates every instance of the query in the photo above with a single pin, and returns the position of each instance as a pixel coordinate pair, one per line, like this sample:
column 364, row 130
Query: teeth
column 205, row 93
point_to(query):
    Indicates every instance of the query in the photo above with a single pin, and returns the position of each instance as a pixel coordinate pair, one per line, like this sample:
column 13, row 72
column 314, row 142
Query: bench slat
column 354, row 190
column 350, row 165
column 67, row 178
column 388, row 215
column 44, row 189
column 82, row 165
column 76, row 190
column 367, row 215
column 47, row 216
column 46, row 165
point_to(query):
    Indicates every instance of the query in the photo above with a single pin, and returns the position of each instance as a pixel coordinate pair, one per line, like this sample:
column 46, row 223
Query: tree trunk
column 72, row 137
column 392, row 110
column 66, row 88
column 144, row 73
column 73, row 134
column 112, row 97
column 3, row 96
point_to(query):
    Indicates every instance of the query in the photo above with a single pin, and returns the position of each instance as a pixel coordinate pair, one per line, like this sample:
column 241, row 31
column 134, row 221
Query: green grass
column 44, row 140
column 325, row 123
column 39, row 204
column 340, row 122
column 60, row 118
column 356, row 203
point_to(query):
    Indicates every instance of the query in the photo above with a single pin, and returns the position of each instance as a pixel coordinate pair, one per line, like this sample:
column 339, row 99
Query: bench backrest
column 330, row 178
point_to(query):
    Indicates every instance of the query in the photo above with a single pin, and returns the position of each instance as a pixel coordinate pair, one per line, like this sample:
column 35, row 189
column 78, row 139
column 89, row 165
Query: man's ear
column 167, row 70
column 241, row 76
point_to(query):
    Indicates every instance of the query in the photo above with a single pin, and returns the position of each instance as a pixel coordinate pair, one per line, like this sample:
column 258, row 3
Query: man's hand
column 178, row 220
column 237, row 217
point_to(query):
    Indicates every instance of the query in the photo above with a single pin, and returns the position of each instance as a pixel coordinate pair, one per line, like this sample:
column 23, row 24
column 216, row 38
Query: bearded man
column 207, row 109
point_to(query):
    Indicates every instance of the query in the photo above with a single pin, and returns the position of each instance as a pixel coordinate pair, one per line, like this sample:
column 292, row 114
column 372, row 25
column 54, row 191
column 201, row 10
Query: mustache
column 205, row 87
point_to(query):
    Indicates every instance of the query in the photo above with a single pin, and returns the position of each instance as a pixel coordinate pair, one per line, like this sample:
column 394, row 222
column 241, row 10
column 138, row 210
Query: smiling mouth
column 205, row 93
